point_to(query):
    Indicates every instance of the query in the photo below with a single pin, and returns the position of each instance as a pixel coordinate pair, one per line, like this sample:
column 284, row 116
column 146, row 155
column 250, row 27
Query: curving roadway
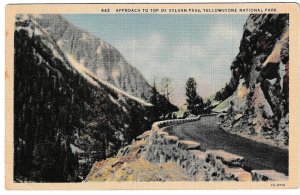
column 207, row 132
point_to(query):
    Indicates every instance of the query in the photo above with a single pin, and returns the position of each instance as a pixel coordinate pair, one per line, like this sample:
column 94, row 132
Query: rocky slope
column 259, row 107
column 65, row 118
column 157, row 156
column 102, row 59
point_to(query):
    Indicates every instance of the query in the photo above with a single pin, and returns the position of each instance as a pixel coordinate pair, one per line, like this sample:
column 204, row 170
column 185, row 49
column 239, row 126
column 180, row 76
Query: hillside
column 158, row 156
column 97, row 56
column 191, row 150
column 65, row 118
column 259, row 107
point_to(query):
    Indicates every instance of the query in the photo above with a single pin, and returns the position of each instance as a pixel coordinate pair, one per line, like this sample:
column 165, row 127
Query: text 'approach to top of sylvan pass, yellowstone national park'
column 152, row 96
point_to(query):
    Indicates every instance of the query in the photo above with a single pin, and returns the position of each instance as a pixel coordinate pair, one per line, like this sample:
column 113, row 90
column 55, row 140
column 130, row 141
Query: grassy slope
column 222, row 105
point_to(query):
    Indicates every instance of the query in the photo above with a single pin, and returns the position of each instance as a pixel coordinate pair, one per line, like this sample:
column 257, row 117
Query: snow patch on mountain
column 103, row 60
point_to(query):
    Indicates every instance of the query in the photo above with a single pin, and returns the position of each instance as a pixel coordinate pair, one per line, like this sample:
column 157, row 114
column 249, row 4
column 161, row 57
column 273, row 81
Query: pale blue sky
column 175, row 46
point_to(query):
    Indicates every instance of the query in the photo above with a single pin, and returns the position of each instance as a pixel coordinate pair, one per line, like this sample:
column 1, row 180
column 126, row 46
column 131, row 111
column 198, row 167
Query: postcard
column 152, row 96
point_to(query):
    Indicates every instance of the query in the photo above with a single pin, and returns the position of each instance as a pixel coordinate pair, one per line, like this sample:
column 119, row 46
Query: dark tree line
column 55, row 107
column 43, row 111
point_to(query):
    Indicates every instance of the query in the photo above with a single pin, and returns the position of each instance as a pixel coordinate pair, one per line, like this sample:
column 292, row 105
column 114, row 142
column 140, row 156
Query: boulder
column 221, row 115
column 144, row 135
column 199, row 155
column 237, row 117
column 258, row 128
column 171, row 139
column 268, row 175
column 162, row 133
column 238, row 174
column 250, row 121
column 123, row 151
column 227, row 158
column 188, row 145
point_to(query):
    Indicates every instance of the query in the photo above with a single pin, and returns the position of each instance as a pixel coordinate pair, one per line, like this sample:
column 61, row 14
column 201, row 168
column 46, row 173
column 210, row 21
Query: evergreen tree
column 162, row 108
column 218, row 96
column 154, row 100
column 194, row 101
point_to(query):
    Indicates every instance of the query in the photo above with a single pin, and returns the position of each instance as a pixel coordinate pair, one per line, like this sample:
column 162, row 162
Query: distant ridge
column 99, row 57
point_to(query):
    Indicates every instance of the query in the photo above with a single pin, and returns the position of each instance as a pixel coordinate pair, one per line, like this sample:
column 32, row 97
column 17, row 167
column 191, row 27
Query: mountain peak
column 100, row 58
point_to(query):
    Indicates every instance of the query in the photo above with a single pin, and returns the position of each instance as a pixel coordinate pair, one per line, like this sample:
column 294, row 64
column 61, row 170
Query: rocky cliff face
column 259, row 106
column 65, row 118
column 102, row 59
